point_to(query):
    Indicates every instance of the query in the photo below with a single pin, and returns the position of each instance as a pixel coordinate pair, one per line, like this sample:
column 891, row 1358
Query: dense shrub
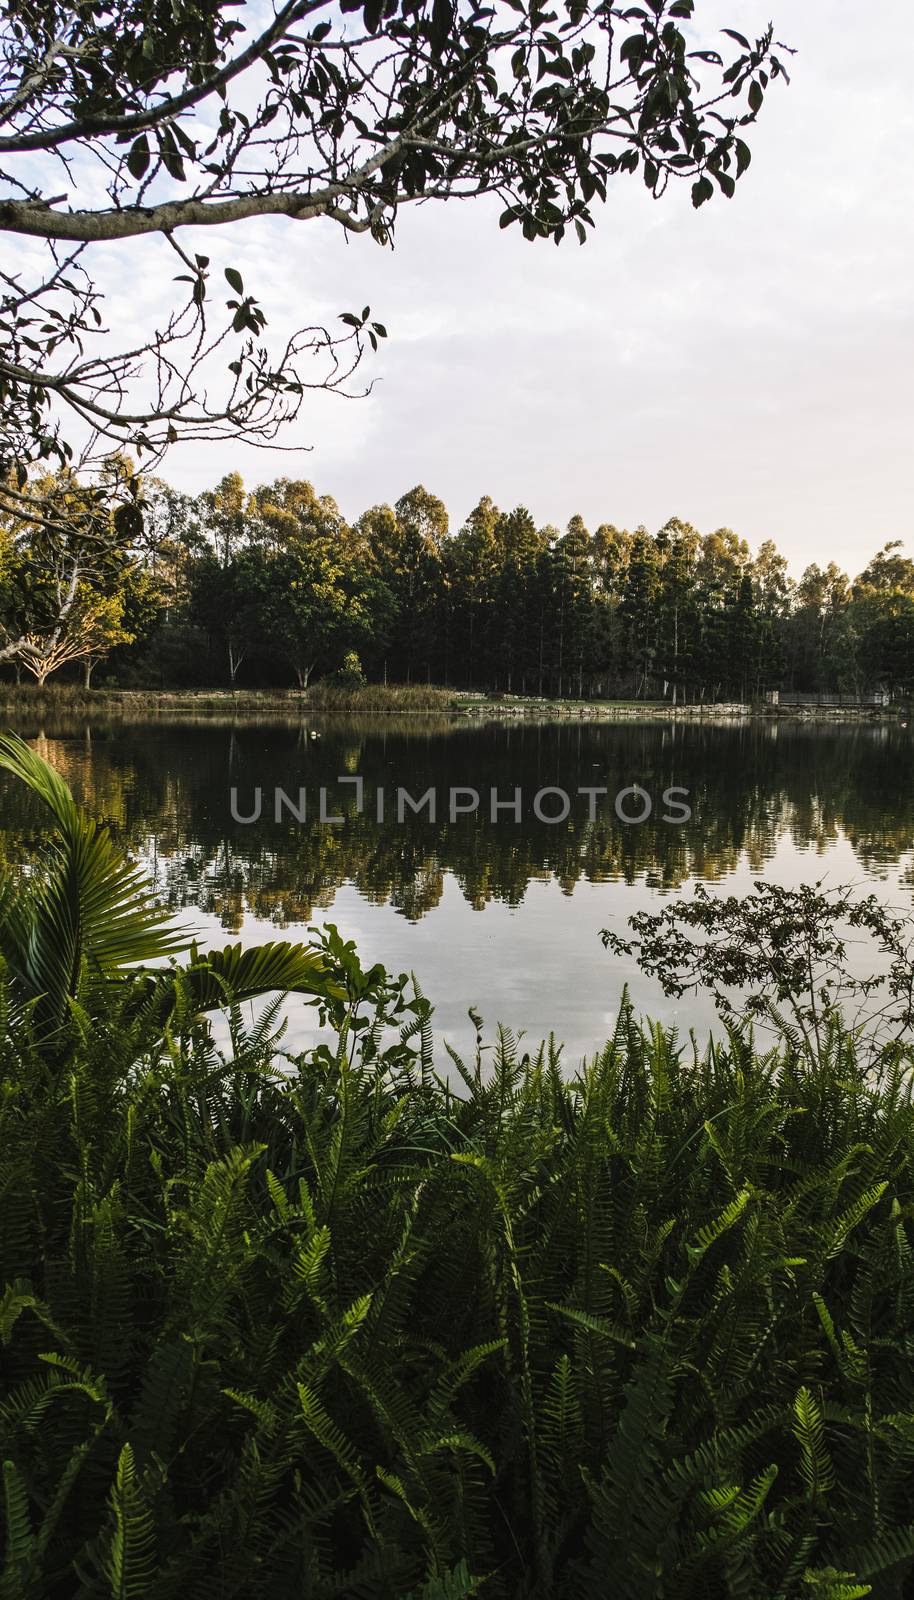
column 349, row 675
column 332, row 1326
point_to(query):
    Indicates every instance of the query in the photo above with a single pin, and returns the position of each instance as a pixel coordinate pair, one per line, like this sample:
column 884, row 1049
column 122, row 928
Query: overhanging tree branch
column 95, row 227
column 189, row 122
column 89, row 127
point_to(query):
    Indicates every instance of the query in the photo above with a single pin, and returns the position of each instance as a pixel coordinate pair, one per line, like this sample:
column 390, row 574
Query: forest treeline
column 272, row 586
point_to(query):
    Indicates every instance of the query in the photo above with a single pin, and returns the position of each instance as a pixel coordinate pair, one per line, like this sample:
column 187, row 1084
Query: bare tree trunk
column 561, row 643
column 235, row 659
column 470, row 654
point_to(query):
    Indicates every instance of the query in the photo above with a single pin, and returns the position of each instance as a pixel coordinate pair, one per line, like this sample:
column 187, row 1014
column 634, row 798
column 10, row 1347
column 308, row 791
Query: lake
column 500, row 912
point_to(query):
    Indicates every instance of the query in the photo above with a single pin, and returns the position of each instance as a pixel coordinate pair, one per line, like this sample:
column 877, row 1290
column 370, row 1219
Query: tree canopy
column 274, row 583
column 138, row 118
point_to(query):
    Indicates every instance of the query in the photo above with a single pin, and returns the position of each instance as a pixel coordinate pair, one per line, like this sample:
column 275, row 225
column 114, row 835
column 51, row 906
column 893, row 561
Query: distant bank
column 415, row 699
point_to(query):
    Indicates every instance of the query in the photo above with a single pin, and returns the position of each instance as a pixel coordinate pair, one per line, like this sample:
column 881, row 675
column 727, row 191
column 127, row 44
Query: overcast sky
column 748, row 365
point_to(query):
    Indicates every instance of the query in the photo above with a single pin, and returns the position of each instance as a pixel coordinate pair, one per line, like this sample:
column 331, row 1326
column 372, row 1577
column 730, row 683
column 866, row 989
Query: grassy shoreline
column 408, row 700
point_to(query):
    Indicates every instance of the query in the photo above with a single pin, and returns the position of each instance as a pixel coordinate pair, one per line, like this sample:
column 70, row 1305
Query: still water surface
column 504, row 916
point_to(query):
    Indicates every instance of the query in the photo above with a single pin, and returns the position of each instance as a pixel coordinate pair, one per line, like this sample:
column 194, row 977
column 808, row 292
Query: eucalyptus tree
column 883, row 623
column 678, row 544
column 140, row 121
column 817, row 644
column 226, row 604
column 309, row 585
column 639, row 606
column 574, row 599
column 722, row 564
column 174, row 540
column 611, row 547
column 774, row 599
column 889, row 572
column 94, row 627
column 224, row 517
column 517, row 613
column 407, row 547
column 67, row 549
column 473, row 561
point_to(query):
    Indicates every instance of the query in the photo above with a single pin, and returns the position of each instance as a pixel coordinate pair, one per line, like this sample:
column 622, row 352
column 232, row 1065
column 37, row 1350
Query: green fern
column 19, row 1554
column 330, row 1326
column 129, row 1563
column 809, row 1432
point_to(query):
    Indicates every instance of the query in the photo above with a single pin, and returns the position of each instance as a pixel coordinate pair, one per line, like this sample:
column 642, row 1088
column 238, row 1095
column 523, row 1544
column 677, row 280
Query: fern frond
column 809, row 1432
column 129, row 1562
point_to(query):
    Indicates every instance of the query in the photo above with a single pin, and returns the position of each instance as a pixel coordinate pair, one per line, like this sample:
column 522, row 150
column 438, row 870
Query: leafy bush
column 323, row 1326
column 781, row 957
column 349, row 675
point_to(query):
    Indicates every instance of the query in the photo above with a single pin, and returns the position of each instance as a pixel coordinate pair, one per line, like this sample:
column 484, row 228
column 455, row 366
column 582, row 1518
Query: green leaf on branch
column 138, row 159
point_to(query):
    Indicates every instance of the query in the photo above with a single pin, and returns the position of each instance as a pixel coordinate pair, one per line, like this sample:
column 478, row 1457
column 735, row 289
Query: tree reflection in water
column 755, row 789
